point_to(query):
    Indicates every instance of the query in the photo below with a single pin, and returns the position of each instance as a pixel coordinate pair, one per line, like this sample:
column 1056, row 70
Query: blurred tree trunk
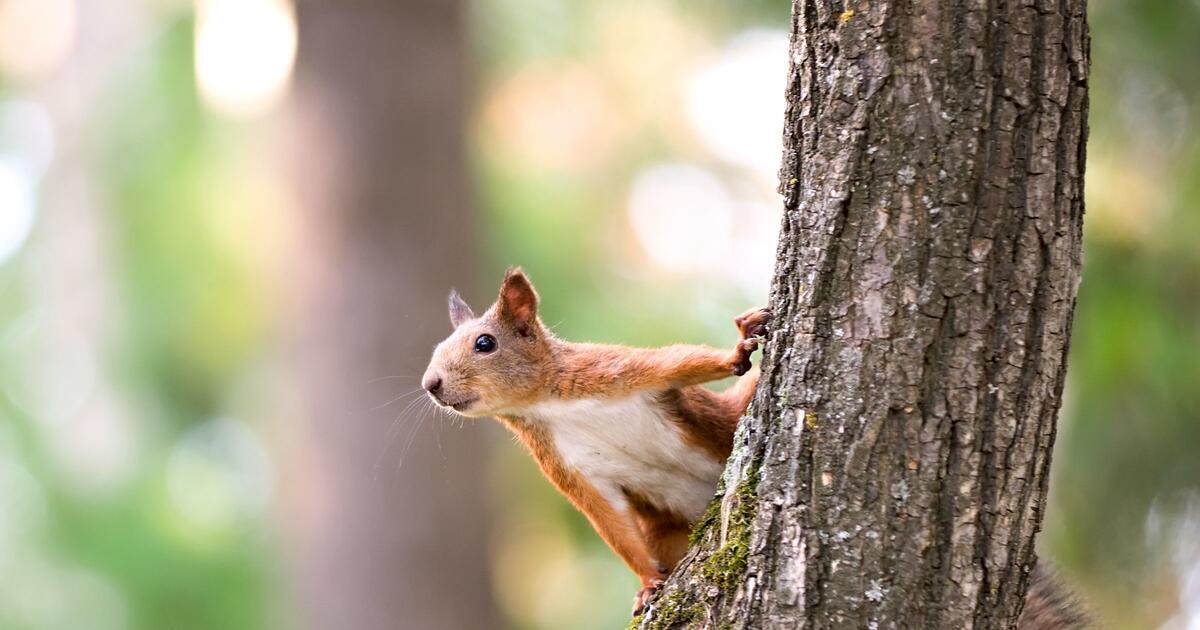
column 381, row 91
column 893, row 469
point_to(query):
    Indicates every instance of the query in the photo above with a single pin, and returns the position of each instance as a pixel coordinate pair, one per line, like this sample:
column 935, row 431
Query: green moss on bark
column 712, row 516
column 724, row 568
column 671, row 611
column 727, row 565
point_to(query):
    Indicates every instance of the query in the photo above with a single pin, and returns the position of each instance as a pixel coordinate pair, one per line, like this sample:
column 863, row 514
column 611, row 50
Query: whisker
column 438, row 433
column 390, row 377
column 412, row 435
column 418, row 390
column 394, row 432
column 407, row 412
column 423, row 412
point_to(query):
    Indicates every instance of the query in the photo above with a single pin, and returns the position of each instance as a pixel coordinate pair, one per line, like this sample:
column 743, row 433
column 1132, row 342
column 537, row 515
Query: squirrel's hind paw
column 643, row 597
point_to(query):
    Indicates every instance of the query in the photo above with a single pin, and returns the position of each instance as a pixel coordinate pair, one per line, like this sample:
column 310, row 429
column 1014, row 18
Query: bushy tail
column 1051, row 606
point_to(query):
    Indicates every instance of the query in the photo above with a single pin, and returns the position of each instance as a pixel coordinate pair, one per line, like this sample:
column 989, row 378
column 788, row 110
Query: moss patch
column 671, row 611
column 725, row 568
column 712, row 516
column 727, row 565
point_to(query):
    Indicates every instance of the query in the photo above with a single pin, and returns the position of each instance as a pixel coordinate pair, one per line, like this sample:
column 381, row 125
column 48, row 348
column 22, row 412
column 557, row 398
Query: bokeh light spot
column 682, row 216
column 245, row 52
column 35, row 35
column 27, row 134
column 736, row 102
column 98, row 450
column 47, row 368
column 218, row 474
column 23, row 506
column 17, row 201
column 553, row 117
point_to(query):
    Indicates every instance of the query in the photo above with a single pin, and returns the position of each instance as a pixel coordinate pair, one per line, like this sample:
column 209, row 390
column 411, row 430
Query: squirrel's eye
column 485, row 343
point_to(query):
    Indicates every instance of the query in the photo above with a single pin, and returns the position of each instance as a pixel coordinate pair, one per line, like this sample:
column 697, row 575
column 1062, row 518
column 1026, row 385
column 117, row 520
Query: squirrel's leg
column 738, row 396
column 616, row 370
column 693, row 365
column 666, row 536
column 619, row 529
column 683, row 366
column 668, row 542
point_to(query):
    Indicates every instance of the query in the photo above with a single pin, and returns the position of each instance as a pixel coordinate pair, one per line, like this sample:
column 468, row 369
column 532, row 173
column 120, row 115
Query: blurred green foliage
column 191, row 321
column 195, row 320
column 1126, row 458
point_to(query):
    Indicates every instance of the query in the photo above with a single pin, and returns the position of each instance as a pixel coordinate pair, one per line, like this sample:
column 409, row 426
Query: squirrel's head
column 494, row 362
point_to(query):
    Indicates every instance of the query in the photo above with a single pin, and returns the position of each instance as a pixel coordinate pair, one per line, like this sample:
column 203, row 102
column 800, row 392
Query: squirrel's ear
column 518, row 301
column 459, row 311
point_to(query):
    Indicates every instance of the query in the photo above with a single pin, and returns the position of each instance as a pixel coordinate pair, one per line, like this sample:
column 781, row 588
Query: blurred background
column 227, row 229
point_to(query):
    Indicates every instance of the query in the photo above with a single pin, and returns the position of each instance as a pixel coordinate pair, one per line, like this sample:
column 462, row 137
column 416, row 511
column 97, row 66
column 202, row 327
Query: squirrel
column 628, row 435
column 625, row 433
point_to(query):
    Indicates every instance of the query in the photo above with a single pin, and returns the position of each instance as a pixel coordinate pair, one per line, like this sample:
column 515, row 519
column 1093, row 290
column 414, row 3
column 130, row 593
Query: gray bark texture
column 892, row 469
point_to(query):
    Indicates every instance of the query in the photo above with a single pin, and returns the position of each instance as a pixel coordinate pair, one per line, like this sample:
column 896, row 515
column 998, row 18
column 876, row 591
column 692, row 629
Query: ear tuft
column 518, row 301
column 460, row 312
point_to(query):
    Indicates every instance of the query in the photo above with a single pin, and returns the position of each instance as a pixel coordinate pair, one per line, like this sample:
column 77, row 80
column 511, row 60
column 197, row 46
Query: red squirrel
column 625, row 433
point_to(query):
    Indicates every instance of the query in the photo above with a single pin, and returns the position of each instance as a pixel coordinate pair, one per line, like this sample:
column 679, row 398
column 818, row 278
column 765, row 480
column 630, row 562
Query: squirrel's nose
column 432, row 384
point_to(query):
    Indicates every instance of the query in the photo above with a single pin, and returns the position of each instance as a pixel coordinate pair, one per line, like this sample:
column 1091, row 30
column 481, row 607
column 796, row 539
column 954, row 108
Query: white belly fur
column 628, row 443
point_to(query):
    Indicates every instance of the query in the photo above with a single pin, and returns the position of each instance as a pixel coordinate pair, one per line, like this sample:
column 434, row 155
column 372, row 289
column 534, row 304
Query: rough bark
column 892, row 470
column 381, row 87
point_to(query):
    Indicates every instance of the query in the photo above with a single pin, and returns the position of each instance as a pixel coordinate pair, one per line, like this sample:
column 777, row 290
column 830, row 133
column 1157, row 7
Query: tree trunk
column 378, row 544
column 892, row 470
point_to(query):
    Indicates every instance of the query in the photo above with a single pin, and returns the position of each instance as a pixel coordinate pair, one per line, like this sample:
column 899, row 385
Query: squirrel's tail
column 1051, row 606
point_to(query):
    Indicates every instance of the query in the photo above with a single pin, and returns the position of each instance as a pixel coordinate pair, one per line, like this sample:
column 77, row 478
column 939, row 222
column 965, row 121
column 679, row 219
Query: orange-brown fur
column 534, row 366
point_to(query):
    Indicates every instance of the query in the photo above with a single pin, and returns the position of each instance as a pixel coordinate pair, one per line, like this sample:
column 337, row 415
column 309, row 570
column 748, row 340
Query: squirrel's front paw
column 753, row 323
column 643, row 597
